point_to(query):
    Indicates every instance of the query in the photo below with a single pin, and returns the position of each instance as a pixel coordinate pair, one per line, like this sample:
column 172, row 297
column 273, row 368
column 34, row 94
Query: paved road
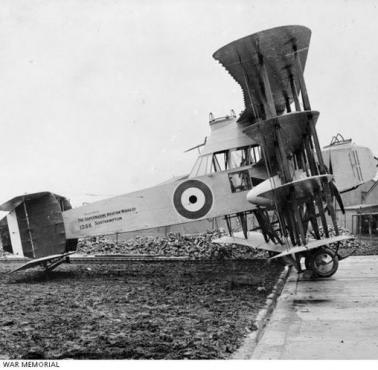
column 335, row 318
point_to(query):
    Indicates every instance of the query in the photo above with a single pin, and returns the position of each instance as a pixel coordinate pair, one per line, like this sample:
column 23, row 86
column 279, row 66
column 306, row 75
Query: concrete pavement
column 334, row 318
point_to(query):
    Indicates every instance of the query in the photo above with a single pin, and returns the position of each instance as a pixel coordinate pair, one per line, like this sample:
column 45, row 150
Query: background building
column 361, row 210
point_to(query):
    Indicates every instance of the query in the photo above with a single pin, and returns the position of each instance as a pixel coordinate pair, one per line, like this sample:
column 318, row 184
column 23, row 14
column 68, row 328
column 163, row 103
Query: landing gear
column 323, row 262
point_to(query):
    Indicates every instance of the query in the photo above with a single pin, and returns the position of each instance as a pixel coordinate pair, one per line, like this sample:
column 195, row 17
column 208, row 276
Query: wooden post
column 295, row 209
column 301, row 159
column 246, row 81
column 327, row 193
column 267, row 89
column 282, row 221
column 307, row 106
column 287, row 101
column 271, row 114
column 359, row 217
column 290, row 225
column 260, row 219
column 294, row 92
column 305, row 99
column 312, row 216
column 319, row 204
column 310, row 157
column 243, row 222
column 29, row 228
column 228, row 223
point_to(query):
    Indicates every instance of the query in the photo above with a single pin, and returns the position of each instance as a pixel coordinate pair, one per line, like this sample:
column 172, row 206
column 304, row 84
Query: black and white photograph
column 188, row 180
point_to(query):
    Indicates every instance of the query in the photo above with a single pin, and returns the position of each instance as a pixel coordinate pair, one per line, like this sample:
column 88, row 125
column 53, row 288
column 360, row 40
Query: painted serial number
column 85, row 226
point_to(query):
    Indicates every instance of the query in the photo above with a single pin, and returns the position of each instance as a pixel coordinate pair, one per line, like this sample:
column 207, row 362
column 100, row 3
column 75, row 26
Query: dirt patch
column 139, row 310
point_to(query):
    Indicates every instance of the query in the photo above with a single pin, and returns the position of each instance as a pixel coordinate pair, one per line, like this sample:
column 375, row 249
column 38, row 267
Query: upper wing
column 277, row 46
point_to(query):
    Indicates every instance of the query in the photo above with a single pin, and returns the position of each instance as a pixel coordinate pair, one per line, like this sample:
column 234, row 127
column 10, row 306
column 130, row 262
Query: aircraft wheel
column 323, row 262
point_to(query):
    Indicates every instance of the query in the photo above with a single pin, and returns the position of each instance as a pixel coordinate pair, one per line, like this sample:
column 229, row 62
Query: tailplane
column 34, row 227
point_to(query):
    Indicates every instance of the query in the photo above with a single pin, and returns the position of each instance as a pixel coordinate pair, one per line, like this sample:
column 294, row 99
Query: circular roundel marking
column 193, row 199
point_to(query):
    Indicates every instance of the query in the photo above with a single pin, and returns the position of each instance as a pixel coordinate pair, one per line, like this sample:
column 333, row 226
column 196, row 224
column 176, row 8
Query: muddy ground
column 138, row 310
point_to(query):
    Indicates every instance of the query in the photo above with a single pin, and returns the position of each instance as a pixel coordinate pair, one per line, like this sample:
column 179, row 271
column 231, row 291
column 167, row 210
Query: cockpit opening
column 226, row 160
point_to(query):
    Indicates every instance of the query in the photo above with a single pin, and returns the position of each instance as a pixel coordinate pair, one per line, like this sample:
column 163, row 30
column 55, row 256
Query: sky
column 100, row 98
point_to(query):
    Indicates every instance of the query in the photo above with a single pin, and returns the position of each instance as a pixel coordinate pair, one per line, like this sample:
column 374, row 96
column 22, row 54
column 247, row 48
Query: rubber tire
column 311, row 260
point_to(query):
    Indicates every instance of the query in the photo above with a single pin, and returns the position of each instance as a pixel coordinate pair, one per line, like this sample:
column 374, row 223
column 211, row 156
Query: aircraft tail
column 349, row 163
column 34, row 226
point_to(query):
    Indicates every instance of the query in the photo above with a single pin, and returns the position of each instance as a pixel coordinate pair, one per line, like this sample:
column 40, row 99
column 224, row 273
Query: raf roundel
column 193, row 199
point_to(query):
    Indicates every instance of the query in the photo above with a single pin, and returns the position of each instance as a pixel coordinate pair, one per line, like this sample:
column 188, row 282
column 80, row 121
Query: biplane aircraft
column 266, row 163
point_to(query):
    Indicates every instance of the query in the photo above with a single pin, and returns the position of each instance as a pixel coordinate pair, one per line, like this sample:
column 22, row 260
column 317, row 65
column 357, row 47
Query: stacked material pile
column 198, row 246
column 357, row 246
column 3, row 253
column 352, row 243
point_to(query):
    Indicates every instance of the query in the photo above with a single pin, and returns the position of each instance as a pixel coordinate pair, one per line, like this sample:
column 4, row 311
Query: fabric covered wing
column 277, row 46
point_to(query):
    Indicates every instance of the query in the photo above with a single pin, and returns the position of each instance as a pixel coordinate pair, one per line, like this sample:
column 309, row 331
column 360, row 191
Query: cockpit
column 237, row 162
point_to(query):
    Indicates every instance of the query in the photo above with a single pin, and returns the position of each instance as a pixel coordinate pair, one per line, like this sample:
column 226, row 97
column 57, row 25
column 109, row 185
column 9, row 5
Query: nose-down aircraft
column 265, row 164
